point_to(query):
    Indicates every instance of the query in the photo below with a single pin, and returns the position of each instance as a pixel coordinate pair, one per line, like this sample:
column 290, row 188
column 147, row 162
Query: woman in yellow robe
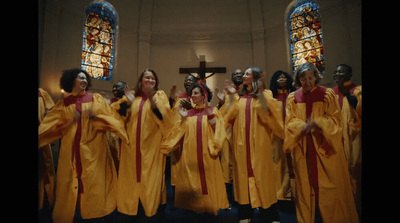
column 199, row 182
column 281, row 86
column 313, row 132
column 255, row 116
column 46, row 165
column 142, row 165
column 86, row 175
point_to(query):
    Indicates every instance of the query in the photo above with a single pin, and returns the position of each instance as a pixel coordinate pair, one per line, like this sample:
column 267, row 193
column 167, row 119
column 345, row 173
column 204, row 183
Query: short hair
column 197, row 85
column 348, row 67
column 301, row 71
column 68, row 77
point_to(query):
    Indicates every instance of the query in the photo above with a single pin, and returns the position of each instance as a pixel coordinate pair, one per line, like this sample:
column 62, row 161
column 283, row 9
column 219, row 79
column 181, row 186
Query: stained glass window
column 306, row 39
column 98, row 48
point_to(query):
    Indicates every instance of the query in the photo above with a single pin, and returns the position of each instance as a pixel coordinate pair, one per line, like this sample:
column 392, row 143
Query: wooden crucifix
column 202, row 70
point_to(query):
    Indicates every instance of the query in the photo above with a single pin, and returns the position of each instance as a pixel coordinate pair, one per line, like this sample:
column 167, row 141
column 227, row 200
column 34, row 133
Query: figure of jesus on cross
column 202, row 70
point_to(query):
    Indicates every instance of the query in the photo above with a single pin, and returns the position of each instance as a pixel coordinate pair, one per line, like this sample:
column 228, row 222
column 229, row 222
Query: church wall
column 62, row 43
column 167, row 58
column 341, row 24
column 166, row 35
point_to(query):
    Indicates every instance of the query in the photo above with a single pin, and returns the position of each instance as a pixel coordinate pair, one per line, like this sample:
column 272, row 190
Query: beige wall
column 166, row 35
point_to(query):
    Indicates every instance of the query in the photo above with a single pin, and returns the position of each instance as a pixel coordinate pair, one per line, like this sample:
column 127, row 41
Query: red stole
column 199, row 139
column 138, row 135
column 281, row 96
column 78, row 100
column 247, row 131
column 315, row 95
column 350, row 88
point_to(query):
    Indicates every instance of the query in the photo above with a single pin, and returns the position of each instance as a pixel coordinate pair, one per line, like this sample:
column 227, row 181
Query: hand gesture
column 130, row 95
column 220, row 95
column 172, row 93
column 260, row 84
column 187, row 105
column 229, row 87
column 182, row 111
column 309, row 127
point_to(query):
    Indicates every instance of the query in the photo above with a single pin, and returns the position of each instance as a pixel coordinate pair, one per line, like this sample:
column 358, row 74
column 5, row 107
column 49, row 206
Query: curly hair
column 273, row 86
column 205, row 87
column 68, row 77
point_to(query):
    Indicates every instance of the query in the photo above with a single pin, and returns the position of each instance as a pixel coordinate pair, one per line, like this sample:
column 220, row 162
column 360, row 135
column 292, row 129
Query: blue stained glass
column 306, row 35
column 98, row 48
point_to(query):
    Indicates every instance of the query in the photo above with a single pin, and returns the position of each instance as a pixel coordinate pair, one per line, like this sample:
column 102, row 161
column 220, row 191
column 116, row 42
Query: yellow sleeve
column 48, row 101
column 171, row 140
column 357, row 117
column 330, row 122
column 218, row 136
column 223, row 107
column 232, row 111
column 272, row 116
column 293, row 124
column 107, row 118
column 53, row 125
column 162, row 103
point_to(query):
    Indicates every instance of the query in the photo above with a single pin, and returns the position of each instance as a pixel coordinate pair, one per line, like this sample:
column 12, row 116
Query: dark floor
column 285, row 210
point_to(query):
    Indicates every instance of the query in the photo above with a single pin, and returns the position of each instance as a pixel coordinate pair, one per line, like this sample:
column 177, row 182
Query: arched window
column 99, row 32
column 306, row 39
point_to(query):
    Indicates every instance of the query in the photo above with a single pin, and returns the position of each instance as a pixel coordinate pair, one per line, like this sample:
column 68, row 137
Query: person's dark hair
column 273, row 86
column 348, row 67
column 257, row 72
column 138, row 87
column 301, row 71
column 197, row 85
column 68, row 78
column 122, row 82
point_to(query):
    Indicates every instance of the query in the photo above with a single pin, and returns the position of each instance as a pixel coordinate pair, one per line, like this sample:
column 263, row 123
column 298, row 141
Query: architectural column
column 257, row 33
column 144, row 32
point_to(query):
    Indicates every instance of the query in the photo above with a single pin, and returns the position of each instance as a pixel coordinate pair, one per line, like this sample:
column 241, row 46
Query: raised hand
column 220, row 95
column 229, row 87
column 130, row 95
column 260, row 84
column 187, row 105
column 182, row 111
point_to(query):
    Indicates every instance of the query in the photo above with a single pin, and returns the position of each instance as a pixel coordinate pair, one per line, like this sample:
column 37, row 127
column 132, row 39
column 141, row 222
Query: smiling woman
column 86, row 175
column 71, row 79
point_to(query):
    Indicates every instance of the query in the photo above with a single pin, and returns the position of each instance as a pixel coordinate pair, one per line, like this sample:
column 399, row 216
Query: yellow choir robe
column 46, row 164
column 253, row 169
column 176, row 153
column 113, row 140
column 199, row 182
column 226, row 151
column 142, row 165
column 282, row 161
column 351, row 122
column 86, row 174
column 319, row 162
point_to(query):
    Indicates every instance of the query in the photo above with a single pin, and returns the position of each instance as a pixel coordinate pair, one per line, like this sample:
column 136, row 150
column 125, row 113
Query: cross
column 202, row 70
